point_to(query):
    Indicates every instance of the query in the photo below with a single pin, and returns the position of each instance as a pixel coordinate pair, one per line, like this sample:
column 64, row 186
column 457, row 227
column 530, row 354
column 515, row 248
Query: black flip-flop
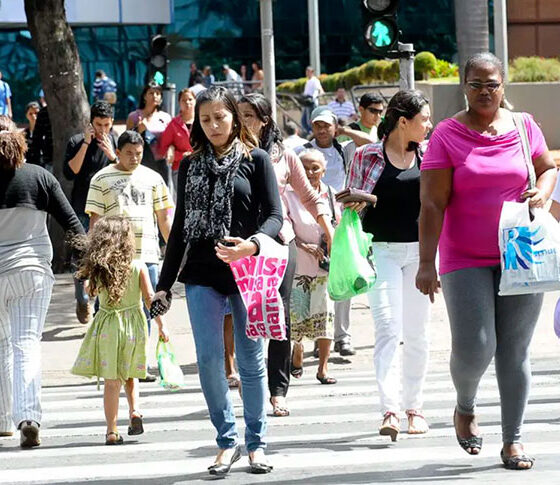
column 326, row 380
column 471, row 443
column 513, row 462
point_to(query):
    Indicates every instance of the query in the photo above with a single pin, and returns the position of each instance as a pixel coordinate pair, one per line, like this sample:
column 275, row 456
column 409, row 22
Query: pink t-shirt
column 487, row 170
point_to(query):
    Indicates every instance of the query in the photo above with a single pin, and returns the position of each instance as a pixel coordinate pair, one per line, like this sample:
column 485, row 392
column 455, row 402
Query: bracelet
column 86, row 143
column 256, row 242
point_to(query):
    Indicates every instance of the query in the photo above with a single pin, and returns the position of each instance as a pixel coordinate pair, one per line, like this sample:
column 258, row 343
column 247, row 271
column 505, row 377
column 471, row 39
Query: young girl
column 115, row 344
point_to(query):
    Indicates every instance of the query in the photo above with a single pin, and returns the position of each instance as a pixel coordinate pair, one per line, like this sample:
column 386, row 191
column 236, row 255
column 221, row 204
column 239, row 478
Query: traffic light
column 158, row 59
column 382, row 30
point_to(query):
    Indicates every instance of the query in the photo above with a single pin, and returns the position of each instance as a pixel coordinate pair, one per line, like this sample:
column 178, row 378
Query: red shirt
column 176, row 134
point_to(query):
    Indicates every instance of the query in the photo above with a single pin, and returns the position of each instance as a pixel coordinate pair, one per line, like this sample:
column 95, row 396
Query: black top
column 395, row 217
column 40, row 151
column 255, row 208
column 94, row 160
column 34, row 187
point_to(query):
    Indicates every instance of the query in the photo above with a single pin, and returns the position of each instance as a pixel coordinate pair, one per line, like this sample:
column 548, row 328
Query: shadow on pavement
column 52, row 335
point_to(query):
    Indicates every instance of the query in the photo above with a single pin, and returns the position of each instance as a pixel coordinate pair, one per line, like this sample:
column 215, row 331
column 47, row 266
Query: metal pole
column 314, row 48
column 267, row 47
column 169, row 97
column 500, row 34
column 406, row 66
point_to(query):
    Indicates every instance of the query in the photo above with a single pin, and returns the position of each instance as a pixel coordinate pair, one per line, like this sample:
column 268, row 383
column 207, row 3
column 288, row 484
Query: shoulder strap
column 519, row 121
column 331, row 203
column 340, row 151
column 308, row 145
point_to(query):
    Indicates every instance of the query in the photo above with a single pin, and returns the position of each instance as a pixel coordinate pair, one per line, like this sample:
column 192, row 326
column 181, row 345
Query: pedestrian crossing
column 330, row 437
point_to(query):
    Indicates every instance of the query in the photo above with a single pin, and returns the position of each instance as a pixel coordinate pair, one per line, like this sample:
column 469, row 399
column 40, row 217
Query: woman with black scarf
column 227, row 193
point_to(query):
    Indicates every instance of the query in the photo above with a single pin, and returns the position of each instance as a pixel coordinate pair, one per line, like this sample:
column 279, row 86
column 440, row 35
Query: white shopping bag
column 258, row 279
column 529, row 249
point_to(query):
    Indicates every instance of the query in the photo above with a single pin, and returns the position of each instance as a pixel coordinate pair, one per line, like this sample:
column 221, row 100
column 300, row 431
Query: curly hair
column 108, row 250
column 12, row 145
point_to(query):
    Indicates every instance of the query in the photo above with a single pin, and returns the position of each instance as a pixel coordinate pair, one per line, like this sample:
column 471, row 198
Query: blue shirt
column 5, row 94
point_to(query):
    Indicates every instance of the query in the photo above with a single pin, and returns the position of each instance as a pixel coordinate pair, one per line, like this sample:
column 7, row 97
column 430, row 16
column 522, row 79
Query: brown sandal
column 118, row 441
column 388, row 428
column 136, row 425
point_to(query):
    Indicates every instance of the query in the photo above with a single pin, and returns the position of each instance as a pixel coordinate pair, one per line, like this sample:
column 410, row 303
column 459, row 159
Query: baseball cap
column 325, row 115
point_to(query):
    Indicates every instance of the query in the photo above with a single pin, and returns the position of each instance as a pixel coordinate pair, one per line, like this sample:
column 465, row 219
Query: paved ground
column 330, row 437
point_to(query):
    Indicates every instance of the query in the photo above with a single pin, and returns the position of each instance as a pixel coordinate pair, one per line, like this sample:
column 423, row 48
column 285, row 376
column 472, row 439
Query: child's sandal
column 118, row 441
column 136, row 426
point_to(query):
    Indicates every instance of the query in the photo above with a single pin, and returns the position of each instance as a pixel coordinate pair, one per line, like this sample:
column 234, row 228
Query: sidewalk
column 63, row 334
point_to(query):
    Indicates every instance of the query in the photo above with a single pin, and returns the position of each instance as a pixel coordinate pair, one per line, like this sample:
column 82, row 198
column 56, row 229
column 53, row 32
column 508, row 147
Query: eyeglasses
column 477, row 86
column 375, row 111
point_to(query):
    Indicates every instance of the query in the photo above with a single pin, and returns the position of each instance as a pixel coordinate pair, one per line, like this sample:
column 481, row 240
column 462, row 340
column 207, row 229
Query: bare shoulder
column 461, row 116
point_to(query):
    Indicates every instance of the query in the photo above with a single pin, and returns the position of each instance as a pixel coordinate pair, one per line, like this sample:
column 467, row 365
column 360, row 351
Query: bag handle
column 331, row 203
column 519, row 121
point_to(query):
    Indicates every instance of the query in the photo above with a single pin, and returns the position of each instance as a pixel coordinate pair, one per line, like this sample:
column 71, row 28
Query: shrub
column 351, row 77
column 445, row 69
column 534, row 69
column 424, row 64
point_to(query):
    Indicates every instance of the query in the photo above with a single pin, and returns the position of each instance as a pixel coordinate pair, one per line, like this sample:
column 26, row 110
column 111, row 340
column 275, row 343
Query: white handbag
column 529, row 240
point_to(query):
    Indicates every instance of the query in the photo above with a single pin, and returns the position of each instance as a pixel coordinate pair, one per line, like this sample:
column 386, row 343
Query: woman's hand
column 427, row 280
column 239, row 248
column 162, row 331
column 536, row 197
column 142, row 125
column 315, row 250
column 357, row 206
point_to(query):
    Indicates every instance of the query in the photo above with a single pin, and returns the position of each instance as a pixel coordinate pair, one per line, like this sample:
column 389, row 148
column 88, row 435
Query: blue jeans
column 206, row 312
column 153, row 271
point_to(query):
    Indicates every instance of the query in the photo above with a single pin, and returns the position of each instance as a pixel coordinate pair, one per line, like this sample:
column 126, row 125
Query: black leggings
column 279, row 351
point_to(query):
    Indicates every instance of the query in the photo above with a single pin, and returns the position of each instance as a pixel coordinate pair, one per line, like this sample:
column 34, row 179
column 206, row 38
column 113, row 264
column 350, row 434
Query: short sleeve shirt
column 136, row 195
column 5, row 94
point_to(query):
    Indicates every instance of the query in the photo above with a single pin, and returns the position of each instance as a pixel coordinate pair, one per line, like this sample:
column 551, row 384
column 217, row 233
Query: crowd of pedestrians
column 202, row 189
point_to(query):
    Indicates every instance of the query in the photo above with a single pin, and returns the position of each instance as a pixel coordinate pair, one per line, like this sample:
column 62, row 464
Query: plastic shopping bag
column 258, row 279
column 530, row 250
column 352, row 270
column 171, row 375
column 557, row 319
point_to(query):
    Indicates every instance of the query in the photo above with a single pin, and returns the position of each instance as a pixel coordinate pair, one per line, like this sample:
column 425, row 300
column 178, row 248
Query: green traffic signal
column 158, row 78
column 381, row 34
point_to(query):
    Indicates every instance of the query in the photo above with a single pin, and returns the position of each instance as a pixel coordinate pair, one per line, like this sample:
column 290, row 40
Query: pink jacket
column 289, row 170
column 178, row 135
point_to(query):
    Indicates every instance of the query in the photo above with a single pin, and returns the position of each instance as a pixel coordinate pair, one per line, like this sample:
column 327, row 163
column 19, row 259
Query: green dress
column 114, row 346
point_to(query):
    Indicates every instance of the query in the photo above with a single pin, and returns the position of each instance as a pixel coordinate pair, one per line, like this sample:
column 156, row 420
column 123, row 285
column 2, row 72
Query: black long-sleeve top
column 256, row 208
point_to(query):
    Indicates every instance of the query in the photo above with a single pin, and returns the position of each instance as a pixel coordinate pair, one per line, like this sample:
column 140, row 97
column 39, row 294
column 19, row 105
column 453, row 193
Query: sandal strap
column 413, row 412
column 112, row 433
column 389, row 413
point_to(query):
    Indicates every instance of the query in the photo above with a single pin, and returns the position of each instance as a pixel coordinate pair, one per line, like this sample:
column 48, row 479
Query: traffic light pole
column 406, row 65
column 267, row 50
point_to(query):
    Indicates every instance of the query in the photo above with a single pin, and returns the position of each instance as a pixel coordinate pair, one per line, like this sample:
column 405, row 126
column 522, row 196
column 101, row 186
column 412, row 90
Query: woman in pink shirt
column 178, row 133
column 473, row 164
column 256, row 114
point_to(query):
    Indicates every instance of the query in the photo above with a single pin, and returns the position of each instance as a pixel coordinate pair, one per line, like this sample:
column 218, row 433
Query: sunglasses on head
column 375, row 111
column 477, row 86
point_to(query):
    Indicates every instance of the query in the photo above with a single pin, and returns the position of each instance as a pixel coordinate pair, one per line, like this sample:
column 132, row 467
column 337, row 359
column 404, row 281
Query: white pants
column 24, row 301
column 400, row 313
column 342, row 321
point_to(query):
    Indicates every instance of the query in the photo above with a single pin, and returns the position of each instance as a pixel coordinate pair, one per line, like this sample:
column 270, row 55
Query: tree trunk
column 471, row 27
column 63, row 82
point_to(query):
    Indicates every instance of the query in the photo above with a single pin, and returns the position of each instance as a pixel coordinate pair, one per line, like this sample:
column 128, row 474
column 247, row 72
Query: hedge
column 534, row 69
column 376, row 71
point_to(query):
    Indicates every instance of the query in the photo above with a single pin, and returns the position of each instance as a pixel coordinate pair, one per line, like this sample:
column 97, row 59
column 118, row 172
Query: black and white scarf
column 209, row 192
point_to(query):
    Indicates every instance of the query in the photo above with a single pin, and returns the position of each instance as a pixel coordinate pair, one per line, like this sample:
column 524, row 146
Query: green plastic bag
column 171, row 375
column 352, row 270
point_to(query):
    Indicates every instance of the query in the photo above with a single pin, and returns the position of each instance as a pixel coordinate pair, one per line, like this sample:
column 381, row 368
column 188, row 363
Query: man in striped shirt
column 342, row 108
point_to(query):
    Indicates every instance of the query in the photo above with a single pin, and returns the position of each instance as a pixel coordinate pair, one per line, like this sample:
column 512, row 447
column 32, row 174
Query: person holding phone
column 86, row 154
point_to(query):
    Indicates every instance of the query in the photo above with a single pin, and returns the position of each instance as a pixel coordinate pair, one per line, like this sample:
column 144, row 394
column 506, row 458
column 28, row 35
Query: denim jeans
column 206, row 309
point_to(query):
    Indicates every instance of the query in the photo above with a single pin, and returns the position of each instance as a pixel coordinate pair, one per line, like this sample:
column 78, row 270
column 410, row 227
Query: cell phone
column 229, row 244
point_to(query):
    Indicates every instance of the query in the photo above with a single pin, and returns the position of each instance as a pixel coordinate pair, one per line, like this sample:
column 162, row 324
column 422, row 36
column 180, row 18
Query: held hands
column 160, row 304
column 535, row 197
column 427, row 280
column 234, row 249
